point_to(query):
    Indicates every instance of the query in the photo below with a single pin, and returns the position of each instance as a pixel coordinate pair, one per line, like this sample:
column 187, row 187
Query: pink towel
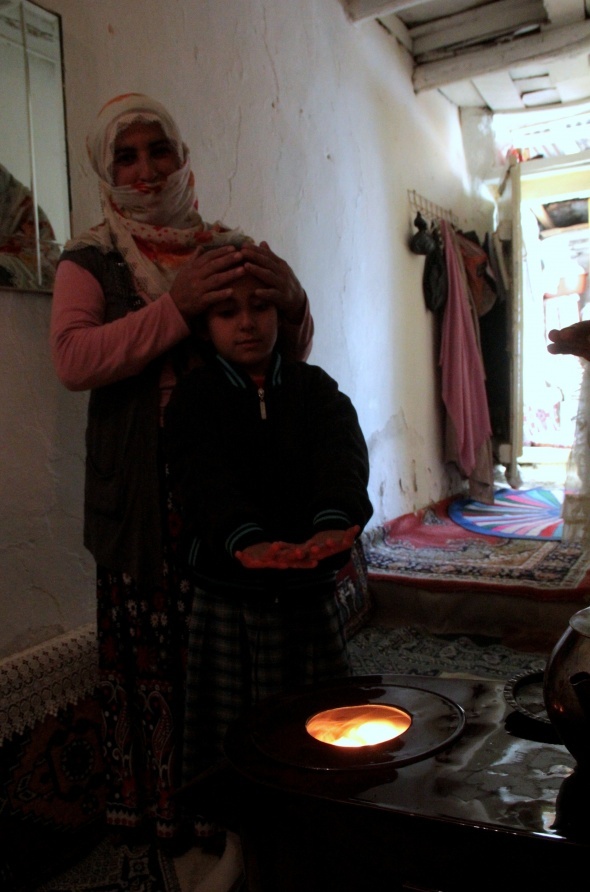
column 463, row 375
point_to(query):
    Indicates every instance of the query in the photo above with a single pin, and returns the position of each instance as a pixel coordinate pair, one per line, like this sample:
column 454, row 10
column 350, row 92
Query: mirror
column 34, row 190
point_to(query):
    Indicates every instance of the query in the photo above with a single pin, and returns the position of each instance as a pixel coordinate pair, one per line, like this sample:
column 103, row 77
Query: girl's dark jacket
column 276, row 464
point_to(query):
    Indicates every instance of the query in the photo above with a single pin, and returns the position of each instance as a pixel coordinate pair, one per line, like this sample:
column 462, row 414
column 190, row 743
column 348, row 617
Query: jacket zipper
column 262, row 403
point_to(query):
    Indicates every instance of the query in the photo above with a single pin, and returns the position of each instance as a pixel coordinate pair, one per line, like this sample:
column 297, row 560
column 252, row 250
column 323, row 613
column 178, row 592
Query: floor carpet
column 515, row 514
column 118, row 868
column 426, row 549
column 374, row 650
column 415, row 651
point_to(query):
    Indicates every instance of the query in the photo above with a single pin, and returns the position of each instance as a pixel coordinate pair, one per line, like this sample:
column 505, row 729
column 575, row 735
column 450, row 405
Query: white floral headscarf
column 156, row 230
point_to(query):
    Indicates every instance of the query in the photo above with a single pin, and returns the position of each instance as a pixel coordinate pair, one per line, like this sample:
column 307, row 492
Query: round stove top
column 277, row 726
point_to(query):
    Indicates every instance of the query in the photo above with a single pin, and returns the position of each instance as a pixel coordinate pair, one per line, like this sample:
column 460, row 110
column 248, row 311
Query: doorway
column 551, row 260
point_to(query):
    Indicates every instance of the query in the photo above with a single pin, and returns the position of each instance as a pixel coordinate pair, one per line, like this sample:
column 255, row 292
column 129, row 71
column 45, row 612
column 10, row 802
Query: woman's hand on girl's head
column 279, row 282
column 206, row 279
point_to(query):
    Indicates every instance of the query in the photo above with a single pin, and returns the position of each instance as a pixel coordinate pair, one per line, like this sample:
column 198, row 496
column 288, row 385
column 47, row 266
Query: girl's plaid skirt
column 241, row 651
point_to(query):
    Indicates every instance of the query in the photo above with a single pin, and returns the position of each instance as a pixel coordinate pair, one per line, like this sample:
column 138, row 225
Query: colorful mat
column 515, row 514
column 427, row 549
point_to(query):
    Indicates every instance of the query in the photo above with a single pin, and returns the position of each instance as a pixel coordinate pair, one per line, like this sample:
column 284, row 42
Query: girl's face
column 143, row 154
column 244, row 327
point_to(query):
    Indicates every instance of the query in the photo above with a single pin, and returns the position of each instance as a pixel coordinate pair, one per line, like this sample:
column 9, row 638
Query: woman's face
column 143, row 154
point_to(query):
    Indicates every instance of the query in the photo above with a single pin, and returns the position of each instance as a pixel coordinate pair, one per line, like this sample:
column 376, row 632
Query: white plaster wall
column 304, row 129
column 46, row 577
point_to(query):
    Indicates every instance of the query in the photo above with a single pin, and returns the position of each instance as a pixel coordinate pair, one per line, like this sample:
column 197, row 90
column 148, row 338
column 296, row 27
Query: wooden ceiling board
column 423, row 11
column 480, row 24
column 499, row 91
column 541, row 97
column 564, row 12
column 553, row 43
column 464, row 94
column 467, row 49
column 532, row 84
column 569, row 69
column 576, row 89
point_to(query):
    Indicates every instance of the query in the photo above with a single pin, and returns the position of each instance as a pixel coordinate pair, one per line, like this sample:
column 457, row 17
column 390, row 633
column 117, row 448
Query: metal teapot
column 566, row 687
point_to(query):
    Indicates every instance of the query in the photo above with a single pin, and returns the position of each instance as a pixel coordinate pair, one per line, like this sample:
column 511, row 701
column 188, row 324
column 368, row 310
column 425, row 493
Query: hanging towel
column 463, row 375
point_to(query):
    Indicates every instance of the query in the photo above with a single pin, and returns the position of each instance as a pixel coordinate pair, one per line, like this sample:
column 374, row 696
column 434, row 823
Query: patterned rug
column 427, row 549
column 415, row 651
column 118, row 868
column 515, row 514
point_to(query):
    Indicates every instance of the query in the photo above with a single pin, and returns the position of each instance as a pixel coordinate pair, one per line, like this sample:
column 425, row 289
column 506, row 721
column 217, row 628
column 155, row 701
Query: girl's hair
column 235, row 237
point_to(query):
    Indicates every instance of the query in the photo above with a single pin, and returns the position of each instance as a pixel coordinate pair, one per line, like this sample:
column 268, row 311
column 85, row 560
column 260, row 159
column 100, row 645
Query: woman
column 125, row 294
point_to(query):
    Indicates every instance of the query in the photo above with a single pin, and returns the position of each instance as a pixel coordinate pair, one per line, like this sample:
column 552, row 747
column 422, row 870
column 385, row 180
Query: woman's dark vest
column 123, row 498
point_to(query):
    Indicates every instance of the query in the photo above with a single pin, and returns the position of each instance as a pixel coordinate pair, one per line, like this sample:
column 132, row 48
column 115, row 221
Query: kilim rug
column 427, row 549
column 515, row 514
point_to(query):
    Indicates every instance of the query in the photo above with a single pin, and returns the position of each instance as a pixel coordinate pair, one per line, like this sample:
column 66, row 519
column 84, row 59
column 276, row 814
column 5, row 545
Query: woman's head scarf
column 156, row 231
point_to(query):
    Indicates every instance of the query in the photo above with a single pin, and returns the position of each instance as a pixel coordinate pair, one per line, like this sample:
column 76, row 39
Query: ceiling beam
column 364, row 10
column 558, row 11
column 490, row 21
column 548, row 45
column 394, row 26
column 563, row 12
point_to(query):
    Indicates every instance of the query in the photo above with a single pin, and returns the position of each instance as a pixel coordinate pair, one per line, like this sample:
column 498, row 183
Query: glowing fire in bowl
column 355, row 726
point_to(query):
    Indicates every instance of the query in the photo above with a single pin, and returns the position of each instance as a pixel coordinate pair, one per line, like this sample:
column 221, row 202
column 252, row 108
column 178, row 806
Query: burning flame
column 355, row 726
